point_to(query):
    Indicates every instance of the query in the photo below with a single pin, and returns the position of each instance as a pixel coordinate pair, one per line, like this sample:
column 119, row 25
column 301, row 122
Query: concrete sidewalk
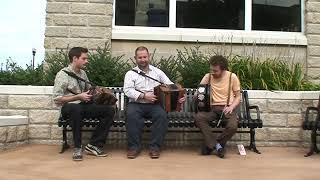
column 41, row 162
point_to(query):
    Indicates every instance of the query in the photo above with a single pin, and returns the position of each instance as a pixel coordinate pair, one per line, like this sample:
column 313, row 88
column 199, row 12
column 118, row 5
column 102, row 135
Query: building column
column 85, row 23
column 313, row 36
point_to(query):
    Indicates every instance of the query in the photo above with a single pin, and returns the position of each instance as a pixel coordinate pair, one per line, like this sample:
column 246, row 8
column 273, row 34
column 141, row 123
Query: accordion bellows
column 169, row 95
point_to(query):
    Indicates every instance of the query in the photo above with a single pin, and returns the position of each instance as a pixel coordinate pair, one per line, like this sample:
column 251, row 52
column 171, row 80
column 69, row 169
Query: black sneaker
column 206, row 151
column 77, row 154
column 94, row 150
column 220, row 152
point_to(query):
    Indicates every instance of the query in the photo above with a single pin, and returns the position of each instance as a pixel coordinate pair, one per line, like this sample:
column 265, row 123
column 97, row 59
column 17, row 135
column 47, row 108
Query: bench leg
column 65, row 144
column 252, row 145
column 313, row 148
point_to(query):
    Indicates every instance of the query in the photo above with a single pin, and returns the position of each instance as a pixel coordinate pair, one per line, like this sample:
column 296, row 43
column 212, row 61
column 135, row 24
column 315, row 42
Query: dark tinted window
column 210, row 14
column 142, row 13
column 276, row 15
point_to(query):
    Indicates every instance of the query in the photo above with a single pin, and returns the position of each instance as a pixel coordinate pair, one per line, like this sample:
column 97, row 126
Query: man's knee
column 159, row 114
column 132, row 110
column 200, row 118
column 232, row 123
column 70, row 108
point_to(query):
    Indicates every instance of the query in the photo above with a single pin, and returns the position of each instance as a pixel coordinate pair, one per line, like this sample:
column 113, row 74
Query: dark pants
column 136, row 114
column 75, row 112
column 202, row 120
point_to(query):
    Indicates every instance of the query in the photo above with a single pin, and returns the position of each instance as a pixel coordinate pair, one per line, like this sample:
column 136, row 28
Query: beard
column 143, row 65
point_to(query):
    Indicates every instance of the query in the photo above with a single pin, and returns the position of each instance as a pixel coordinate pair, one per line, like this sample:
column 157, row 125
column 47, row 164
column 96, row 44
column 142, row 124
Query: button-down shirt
column 134, row 82
column 63, row 82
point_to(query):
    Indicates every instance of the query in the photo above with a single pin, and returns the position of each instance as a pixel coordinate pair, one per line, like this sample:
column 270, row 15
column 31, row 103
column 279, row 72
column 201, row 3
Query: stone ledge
column 263, row 94
column 32, row 90
column 13, row 120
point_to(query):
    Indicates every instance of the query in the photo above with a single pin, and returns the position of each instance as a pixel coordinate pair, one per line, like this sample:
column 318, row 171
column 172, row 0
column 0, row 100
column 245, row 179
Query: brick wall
column 13, row 130
column 78, row 23
column 313, row 36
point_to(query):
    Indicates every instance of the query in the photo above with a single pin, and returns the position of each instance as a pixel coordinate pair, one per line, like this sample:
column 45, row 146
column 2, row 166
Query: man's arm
column 205, row 79
column 129, row 88
column 82, row 97
column 236, row 100
column 60, row 87
column 237, row 96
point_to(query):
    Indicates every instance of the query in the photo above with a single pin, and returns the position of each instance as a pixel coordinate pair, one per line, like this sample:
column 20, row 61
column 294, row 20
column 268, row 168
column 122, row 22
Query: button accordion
column 169, row 95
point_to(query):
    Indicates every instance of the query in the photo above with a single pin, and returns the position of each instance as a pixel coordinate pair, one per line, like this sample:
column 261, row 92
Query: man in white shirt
column 139, row 89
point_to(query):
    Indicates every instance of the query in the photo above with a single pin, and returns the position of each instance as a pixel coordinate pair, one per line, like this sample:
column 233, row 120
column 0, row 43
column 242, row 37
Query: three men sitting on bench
column 73, row 95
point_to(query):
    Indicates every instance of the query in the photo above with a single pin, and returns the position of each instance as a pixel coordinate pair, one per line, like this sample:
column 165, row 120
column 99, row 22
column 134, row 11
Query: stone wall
column 78, row 23
column 282, row 114
column 313, row 36
column 13, row 131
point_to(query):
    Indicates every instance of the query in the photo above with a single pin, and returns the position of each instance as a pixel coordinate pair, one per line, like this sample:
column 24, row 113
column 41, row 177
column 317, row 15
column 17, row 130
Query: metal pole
column 33, row 56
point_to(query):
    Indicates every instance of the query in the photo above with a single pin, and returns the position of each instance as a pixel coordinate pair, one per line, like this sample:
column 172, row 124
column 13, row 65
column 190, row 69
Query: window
column 210, row 14
column 153, row 13
column 232, row 21
column 265, row 15
column 275, row 15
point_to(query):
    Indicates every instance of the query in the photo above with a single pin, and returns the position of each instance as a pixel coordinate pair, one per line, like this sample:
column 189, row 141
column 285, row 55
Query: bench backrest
column 188, row 106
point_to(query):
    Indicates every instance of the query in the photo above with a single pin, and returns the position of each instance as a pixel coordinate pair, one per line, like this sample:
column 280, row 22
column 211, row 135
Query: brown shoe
column 132, row 153
column 154, row 154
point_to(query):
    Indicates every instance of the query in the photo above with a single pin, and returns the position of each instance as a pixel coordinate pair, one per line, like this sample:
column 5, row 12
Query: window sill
column 205, row 35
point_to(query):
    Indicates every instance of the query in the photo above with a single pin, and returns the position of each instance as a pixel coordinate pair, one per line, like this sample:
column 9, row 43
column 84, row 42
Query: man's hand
column 149, row 96
column 228, row 110
column 99, row 90
column 182, row 100
column 85, row 96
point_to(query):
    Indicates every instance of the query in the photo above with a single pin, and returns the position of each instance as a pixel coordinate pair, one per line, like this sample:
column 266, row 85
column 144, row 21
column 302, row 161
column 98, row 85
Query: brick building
column 273, row 27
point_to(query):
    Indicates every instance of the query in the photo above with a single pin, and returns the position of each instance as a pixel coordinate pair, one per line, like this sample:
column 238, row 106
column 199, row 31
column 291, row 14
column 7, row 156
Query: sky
column 22, row 27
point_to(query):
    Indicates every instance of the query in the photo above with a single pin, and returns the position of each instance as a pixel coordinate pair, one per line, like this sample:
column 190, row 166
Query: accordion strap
column 229, row 89
column 71, row 74
column 144, row 75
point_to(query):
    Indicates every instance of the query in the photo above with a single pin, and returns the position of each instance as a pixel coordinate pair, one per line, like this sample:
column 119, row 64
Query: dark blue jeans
column 136, row 114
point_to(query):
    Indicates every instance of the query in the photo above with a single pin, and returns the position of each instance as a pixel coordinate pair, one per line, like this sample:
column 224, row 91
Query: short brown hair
column 141, row 48
column 219, row 60
column 76, row 51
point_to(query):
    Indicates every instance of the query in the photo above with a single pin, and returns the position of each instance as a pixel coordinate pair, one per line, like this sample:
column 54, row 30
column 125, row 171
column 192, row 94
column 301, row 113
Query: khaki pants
column 202, row 120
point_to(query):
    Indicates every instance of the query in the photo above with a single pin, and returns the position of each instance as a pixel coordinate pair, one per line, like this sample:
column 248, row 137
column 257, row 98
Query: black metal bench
column 178, row 121
column 313, row 125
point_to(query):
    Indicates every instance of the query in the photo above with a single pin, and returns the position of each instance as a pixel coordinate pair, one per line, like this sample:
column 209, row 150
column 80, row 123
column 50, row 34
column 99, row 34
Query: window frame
column 172, row 33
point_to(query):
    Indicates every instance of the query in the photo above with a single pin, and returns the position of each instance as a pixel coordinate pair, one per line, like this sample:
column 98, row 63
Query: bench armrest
column 257, row 111
column 309, row 109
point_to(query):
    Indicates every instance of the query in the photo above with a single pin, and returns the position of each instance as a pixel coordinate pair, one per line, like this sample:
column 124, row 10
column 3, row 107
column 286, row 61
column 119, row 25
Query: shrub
column 102, row 69
column 105, row 70
column 187, row 67
column 16, row 75
column 168, row 65
column 192, row 66
column 271, row 74
column 54, row 62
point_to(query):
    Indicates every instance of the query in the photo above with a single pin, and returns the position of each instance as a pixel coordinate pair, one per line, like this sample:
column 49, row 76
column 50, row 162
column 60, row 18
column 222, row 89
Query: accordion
column 169, row 95
column 102, row 96
column 203, row 97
